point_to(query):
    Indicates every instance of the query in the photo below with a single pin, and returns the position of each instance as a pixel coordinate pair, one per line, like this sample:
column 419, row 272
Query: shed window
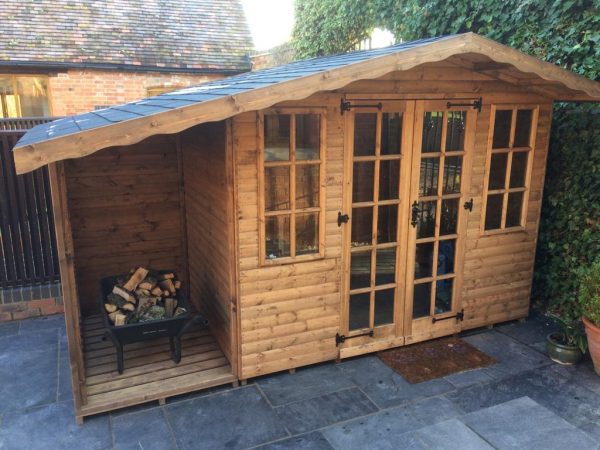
column 510, row 153
column 292, row 177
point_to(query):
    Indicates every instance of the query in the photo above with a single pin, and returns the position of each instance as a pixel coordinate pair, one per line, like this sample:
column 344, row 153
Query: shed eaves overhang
column 82, row 135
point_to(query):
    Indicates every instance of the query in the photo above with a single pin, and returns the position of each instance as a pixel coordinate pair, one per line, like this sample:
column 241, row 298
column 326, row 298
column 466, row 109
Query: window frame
column 509, row 151
column 292, row 212
column 13, row 77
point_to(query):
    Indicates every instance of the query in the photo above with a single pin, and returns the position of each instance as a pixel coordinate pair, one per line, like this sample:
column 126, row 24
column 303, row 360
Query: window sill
column 290, row 260
column 502, row 231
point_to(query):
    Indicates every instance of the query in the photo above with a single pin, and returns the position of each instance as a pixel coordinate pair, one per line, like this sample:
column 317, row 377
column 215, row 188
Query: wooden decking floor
column 149, row 374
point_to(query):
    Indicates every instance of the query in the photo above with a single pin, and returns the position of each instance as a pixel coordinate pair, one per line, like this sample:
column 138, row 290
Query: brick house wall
column 80, row 90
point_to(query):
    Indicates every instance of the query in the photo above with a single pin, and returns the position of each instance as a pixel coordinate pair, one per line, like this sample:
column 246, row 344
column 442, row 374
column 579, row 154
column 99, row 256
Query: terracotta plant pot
column 593, row 337
column 560, row 353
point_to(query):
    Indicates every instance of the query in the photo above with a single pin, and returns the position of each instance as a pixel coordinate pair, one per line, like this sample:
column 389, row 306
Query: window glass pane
column 360, row 310
column 277, row 235
column 452, row 174
column 446, row 252
column 428, row 178
column 514, row 208
column 389, row 179
column 384, row 307
column 307, row 136
column 362, row 183
column 365, row 129
column 502, row 123
column 443, row 296
column 424, row 260
column 362, row 226
column 455, row 131
column 498, row 171
column 360, row 270
column 391, row 133
column 387, row 223
column 307, row 186
column 385, row 262
column 8, row 98
column 426, row 219
column 449, row 219
column 493, row 212
column 277, row 188
column 432, row 132
column 277, row 137
column 307, row 233
column 421, row 300
column 523, row 128
column 518, row 169
column 33, row 96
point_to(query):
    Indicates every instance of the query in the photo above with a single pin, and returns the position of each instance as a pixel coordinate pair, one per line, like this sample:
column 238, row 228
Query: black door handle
column 342, row 218
column 469, row 205
column 415, row 214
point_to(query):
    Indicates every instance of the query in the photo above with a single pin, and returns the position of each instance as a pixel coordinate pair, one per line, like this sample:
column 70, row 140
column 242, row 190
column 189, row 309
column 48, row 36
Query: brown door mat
column 434, row 359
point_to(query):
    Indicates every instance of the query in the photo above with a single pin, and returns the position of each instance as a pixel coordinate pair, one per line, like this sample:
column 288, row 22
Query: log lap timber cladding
column 178, row 110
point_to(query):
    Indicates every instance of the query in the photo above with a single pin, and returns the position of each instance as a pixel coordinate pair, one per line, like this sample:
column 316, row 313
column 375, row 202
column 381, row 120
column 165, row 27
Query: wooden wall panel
column 499, row 267
column 125, row 212
column 289, row 313
column 210, row 234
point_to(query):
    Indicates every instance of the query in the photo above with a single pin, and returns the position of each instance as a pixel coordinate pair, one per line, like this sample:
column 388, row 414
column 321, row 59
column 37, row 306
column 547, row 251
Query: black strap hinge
column 340, row 338
column 345, row 105
column 476, row 104
column 460, row 316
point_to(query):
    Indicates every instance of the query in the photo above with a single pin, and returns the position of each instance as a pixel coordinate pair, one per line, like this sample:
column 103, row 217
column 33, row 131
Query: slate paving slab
column 147, row 430
column 305, row 383
column 568, row 399
column 583, row 374
column 386, row 387
column 8, row 329
column 310, row 441
column 523, row 423
column 512, row 356
column 531, row 332
column 318, row 412
column 469, row 378
column 54, row 322
column 65, row 390
column 238, row 418
column 53, row 427
column 451, row 435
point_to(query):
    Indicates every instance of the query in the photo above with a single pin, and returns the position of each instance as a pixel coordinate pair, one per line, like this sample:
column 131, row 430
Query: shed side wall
column 208, row 204
column 125, row 212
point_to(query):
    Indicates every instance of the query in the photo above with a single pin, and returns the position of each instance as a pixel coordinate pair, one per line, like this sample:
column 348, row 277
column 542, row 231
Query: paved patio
column 523, row 402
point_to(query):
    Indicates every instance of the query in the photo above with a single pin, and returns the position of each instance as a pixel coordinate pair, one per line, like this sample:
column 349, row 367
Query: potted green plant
column 589, row 299
column 568, row 345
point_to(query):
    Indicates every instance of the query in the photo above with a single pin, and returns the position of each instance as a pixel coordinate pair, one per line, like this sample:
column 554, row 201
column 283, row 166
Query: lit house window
column 291, row 211
column 23, row 96
column 510, row 156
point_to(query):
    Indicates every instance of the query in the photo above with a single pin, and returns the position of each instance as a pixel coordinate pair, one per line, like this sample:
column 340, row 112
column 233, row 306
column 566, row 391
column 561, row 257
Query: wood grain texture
column 210, row 232
column 125, row 212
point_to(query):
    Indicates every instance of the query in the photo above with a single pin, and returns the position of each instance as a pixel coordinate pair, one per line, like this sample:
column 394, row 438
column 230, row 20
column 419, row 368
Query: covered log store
column 320, row 210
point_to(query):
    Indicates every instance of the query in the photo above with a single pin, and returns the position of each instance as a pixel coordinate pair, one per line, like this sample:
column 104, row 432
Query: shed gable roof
column 175, row 111
column 187, row 35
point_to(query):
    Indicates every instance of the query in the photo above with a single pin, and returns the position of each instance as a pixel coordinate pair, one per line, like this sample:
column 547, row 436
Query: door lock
column 342, row 218
column 415, row 214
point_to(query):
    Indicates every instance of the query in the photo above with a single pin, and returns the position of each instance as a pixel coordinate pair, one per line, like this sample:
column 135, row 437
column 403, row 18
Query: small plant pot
column 593, row 337
column 560, row 353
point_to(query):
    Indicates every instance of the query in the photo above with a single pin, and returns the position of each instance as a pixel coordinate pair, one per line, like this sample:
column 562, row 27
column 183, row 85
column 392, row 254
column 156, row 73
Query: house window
column 510, row 154
column 292, row 175
column 23, row 96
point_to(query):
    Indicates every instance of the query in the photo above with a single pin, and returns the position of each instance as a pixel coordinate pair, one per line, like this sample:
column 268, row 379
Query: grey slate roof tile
column 184, row 34
column 215, row 90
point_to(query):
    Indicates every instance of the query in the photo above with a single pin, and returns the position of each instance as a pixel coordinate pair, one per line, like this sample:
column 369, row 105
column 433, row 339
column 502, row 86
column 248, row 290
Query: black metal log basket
column 171, row 327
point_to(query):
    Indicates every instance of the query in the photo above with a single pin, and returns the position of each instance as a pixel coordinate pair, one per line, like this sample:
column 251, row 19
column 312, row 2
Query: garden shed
column 324, row 209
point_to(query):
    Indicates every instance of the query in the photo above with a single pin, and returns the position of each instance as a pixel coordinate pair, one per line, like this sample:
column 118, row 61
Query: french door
column 405, row 177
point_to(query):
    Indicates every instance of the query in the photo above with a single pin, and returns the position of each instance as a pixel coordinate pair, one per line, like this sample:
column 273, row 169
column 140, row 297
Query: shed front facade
column 321, row 210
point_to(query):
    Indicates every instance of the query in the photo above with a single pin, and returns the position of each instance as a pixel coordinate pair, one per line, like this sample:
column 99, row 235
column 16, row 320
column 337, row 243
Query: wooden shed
column 324, row 209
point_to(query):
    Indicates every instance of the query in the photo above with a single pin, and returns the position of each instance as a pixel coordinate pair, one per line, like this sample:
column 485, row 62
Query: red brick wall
column 81, row 90
column 32, row 308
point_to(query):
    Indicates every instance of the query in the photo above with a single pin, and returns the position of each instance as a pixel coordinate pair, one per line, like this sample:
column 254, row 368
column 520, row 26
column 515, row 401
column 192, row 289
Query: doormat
column 434, row 359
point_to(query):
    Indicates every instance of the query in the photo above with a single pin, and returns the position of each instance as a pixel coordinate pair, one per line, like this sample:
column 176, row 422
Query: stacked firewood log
column 144, row 296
